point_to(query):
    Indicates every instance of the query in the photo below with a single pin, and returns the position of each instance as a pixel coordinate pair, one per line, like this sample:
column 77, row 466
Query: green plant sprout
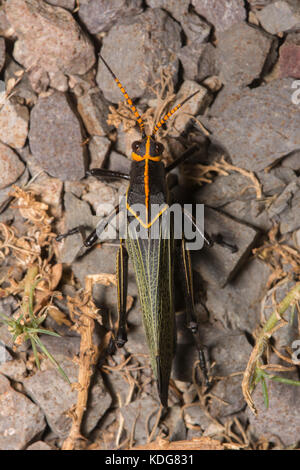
column 27, row 325
column 254, row 372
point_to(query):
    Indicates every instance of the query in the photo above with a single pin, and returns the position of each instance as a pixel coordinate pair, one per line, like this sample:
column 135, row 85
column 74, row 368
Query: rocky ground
column 62, row 114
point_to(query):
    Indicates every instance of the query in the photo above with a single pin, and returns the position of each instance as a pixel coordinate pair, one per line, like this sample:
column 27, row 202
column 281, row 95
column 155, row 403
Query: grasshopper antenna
column 170, row 113
column 129, row 101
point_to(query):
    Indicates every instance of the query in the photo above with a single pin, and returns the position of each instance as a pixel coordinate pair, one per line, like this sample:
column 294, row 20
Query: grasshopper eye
column 136, row 146
column 159, row 148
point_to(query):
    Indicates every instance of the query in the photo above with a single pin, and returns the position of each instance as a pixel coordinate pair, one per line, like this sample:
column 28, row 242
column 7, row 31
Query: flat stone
column 14, row 124
column 223, row 14
column 2, row 53
column 289, row 57
column 98, row 149
column 261, row 127
column 63, row 46
column 280, row 17
column 237, row 305
column 39, row 445
column 55, row 138
column 20, row 419
column 218, row 265
column 241, row 54
column 99, row 16
column 137, row 50
column 11, row 167
column 93, row 110
column 55, row 396
column 282, row 418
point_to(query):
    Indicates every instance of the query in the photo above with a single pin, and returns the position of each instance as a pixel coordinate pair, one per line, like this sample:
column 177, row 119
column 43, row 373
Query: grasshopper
column 153, row 258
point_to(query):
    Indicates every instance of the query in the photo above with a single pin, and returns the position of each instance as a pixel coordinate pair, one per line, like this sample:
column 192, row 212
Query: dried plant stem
column 275, row 321
column 84, row 313
column 28, row 282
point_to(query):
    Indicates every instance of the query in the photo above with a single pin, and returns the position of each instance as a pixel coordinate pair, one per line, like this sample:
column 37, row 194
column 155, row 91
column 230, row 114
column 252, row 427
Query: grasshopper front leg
column 122, row 283
column 191, row 319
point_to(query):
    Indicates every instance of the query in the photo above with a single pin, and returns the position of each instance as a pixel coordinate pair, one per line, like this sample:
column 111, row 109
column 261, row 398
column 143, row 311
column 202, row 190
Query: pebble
column 260, row 127
column 100, row 15
column 55, row 397
column 21, row 420
column 11, row 167
column 137, row 50
column 193, row 107
column 280, row 17
column 93, row 110
column 55, row 138
column 62, row 46
column 13, row 124
column 195, row 28
column 98, row 149
column 14, row 369
column 23, row 90
column 241, row 54
column 223, row 14
column 289, row 57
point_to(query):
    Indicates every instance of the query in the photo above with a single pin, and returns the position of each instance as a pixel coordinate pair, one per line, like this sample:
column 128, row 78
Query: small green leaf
column 265, row 392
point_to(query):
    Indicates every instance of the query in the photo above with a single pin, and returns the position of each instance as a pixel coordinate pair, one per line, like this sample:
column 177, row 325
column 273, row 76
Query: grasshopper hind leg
column 191, row 319
column 122, row 281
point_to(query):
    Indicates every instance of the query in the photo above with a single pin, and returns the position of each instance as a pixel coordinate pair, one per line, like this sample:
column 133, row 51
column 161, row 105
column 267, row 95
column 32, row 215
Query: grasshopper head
column 148, row 147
